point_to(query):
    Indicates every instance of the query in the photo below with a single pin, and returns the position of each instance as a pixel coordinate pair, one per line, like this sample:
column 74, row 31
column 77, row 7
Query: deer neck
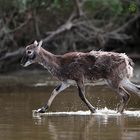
column 48, row 61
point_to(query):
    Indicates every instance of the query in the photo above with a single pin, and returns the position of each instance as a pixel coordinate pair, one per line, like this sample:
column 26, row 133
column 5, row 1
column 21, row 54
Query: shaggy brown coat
column 115, row 68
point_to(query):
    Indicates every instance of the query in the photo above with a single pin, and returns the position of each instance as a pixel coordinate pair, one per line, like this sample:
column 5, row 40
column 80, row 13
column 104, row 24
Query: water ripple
column 102, row 112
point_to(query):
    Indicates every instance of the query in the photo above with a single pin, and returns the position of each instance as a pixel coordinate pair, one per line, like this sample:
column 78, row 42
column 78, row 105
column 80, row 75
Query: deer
column 79, row 67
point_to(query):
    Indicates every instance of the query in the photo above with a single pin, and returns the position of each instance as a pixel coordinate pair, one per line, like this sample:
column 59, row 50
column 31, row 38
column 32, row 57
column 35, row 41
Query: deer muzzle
column 25, row 61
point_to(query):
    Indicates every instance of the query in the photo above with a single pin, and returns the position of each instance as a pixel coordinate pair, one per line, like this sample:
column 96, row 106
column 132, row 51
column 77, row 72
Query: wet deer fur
column 115, row 68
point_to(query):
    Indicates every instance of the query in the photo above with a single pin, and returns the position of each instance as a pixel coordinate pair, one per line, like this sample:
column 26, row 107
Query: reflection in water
column 82, row 125
column 64, row 122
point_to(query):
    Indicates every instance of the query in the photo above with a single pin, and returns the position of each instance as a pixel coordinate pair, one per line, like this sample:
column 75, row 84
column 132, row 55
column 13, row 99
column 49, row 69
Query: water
column 99, row 112
column 68, row 118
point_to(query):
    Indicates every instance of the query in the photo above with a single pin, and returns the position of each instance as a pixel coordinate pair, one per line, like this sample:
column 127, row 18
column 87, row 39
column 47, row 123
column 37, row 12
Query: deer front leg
column 81, row 89
column 55, row 92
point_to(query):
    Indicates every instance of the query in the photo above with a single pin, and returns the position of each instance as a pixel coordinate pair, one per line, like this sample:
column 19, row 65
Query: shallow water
column 68, row 118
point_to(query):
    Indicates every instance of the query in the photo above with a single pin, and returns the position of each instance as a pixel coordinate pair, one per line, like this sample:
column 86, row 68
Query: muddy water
column 68, row 118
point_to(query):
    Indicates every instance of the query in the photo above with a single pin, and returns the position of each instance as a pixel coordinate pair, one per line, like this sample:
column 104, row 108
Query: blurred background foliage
column 68, row 25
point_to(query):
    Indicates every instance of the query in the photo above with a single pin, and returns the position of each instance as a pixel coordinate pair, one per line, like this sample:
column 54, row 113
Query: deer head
column 31, row 54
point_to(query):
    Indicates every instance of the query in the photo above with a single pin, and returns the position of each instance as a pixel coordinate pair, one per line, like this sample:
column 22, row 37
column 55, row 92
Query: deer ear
column 35, row 43
column 40, row 44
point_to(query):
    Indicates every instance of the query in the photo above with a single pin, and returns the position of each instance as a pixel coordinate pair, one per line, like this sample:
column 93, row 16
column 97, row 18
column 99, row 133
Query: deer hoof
column 93, row 110
column 120, row 108
column 41, row 110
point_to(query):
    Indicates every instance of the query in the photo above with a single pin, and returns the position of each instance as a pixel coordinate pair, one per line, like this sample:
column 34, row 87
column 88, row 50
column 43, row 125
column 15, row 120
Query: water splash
column 99, row 112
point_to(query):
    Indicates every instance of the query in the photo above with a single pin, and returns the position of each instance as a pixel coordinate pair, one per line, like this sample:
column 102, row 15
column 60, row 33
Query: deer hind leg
column 81, row 90
column 125, row 97
column 55, row 92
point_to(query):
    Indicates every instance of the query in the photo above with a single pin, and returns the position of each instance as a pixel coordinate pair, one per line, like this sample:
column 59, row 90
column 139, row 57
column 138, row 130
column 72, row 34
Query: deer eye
column 29, row 52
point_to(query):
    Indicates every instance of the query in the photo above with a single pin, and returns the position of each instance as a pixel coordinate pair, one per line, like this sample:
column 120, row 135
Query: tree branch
column 79, row 5
column 21, row 25
column 124, row 27
column 10, row 55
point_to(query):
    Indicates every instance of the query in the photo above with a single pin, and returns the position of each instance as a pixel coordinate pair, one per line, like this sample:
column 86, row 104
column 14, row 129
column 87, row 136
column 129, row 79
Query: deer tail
column 128, row 85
